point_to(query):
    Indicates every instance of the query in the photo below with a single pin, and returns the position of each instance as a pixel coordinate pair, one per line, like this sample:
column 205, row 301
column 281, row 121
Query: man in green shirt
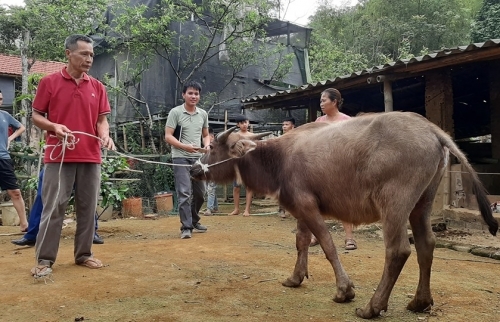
column 186, row 126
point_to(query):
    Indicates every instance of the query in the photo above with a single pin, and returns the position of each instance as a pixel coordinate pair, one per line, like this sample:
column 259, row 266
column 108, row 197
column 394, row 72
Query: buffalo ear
column 242, row 147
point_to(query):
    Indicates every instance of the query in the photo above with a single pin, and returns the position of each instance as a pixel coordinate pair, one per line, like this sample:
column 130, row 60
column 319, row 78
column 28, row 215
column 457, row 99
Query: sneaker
column 282, row 214
column 200, row 228
column 208, row 213
column 186, row 233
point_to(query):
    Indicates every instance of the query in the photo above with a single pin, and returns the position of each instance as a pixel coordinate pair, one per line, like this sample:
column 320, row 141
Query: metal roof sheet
column 384, row 67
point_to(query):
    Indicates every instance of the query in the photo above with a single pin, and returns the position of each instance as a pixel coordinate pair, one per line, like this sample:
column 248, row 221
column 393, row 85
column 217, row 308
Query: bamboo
column 143, row 140
column 125, row 146
column 225, row 128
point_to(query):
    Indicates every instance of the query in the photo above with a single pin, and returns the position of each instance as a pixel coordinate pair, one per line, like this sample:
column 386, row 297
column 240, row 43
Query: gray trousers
column 190, row 193
column 85, row 178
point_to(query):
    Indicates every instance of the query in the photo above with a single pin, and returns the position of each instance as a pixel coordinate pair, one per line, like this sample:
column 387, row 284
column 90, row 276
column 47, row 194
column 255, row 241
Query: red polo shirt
column 77, row 106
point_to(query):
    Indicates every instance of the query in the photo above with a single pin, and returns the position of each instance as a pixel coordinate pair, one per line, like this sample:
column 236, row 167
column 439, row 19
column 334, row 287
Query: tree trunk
column 24, row 84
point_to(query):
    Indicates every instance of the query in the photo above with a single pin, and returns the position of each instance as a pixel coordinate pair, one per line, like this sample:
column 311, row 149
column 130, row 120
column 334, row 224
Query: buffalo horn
column 259, row 136
column 222, row 137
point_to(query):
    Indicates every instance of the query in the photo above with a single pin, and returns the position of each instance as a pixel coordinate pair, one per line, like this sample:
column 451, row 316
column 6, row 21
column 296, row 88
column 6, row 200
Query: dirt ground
column 232, row 272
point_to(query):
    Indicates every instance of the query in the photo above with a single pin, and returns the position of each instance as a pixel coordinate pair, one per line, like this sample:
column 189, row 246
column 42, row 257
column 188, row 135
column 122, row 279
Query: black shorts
column 8, row 180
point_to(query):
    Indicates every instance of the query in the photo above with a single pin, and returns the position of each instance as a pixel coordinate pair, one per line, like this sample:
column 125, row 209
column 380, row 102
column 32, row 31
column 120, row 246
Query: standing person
column 288, row 125
column 8, row 180
column 186, row 125
column 331, row 103
column 243, row 123
column 66, row 101
column 212, row 203
column 29, row 239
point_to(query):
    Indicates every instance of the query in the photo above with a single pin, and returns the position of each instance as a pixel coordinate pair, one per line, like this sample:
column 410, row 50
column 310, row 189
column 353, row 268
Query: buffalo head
column 217, row 164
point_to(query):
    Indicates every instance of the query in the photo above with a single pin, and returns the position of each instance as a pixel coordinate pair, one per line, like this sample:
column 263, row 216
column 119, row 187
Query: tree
column 487, row 24
column 388, row 30
column 34, row 33
column 189, row 36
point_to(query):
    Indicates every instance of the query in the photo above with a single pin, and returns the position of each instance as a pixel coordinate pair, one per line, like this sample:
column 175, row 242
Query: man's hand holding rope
column 61, row 131
column 107, row 143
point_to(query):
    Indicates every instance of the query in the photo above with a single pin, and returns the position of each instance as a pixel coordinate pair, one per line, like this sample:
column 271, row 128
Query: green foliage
column 329, row 61
column 33, row 81
column 49, row 22
column 191, row 36
column 487, row 24
column 154, row 178
column 112, row 192
column 377, row 31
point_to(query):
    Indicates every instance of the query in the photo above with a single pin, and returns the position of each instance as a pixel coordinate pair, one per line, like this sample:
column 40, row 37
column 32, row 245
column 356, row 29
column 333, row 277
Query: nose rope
column 205, row 166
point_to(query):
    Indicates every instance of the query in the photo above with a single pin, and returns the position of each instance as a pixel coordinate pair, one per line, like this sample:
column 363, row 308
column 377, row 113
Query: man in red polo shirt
column 66, row 102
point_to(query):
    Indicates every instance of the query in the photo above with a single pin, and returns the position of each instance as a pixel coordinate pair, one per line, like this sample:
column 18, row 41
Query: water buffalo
column 373, row 167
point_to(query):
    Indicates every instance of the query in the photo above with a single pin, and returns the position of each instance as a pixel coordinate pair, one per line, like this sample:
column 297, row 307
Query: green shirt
column 191, row 129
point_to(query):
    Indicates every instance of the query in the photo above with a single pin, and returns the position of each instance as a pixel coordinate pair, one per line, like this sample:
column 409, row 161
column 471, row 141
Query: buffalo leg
column 345, row 287
column 396, row 253
column 302, row 240
column 424, row 245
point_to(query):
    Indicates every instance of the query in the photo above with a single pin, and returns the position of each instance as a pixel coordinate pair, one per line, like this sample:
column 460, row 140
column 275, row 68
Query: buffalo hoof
column 291, row 282
column 422, row 305
column 345, row 295
column 369, row 312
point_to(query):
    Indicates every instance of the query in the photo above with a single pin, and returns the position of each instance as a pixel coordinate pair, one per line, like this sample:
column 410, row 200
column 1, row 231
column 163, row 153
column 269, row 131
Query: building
column 11, row 73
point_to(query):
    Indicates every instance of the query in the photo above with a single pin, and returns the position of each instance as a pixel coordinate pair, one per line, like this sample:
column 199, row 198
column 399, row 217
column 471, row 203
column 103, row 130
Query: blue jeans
column 212, row 203
column 190, row 193
column 36, row 212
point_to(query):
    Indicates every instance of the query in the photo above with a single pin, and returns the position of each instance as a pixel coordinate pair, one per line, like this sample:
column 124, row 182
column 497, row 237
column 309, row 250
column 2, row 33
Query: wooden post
column 494, row 77
column 225, row 128
column 162, row 140
column 312, row 111
column 439, row 100
column 439, row 110
column 388, row 100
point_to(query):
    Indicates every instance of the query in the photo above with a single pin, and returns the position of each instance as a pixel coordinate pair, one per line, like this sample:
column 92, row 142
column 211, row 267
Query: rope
column 71, row 145
column 70, row 142
column 493, row 173
column 63, row 145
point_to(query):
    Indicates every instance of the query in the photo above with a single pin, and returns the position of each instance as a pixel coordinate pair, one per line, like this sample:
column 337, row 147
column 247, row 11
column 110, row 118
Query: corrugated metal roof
column 11, row 65
column 385, row 67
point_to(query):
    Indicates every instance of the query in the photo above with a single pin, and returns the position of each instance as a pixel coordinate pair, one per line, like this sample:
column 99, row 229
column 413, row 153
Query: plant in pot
column 112, row 192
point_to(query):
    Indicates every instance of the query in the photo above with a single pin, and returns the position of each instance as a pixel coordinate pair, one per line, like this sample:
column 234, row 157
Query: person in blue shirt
column 8, row 180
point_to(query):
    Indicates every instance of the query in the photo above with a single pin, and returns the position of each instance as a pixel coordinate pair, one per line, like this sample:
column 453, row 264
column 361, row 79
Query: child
column 243, row 123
